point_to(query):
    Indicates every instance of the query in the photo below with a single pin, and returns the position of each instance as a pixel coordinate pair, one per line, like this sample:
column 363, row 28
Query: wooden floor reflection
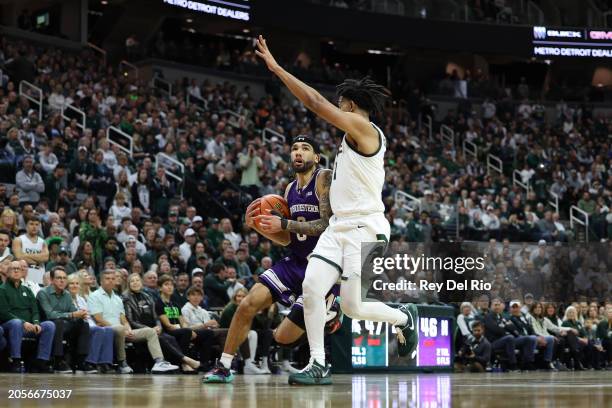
column 584, row 389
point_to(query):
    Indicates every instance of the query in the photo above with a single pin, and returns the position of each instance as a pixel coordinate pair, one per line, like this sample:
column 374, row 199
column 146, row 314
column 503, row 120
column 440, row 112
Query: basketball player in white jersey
column 33, row 249
column 356, row 201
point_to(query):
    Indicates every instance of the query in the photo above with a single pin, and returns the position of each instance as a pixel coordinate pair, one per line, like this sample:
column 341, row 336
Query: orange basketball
column 275, row 203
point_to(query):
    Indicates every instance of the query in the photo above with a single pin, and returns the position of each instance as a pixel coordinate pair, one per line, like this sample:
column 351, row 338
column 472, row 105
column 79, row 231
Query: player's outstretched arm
column 352, row 123
column 316, row 227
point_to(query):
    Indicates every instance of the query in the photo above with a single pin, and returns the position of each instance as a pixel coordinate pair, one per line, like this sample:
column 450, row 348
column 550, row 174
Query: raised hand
column 264, row 53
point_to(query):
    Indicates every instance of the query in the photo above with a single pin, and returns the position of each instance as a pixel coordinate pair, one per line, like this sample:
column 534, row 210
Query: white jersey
column 357, row 181
column 35, row 272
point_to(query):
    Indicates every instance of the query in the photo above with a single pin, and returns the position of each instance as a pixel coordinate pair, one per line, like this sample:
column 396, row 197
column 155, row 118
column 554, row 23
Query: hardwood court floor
column 539, row 389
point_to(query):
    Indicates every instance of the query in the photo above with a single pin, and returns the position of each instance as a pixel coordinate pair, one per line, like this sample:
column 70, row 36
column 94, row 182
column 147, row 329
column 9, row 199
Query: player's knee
column 287, row 340
column 247, row 308
column 280, row 337
column 351, row 307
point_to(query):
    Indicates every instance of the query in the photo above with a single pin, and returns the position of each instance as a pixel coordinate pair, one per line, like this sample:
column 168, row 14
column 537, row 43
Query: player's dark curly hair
column 366, row 94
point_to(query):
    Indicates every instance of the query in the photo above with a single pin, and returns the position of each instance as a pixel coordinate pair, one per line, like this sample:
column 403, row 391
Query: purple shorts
column 284, row 280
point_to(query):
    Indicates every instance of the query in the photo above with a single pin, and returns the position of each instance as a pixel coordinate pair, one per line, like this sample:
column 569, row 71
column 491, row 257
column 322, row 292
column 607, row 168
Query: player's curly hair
column 366, row 94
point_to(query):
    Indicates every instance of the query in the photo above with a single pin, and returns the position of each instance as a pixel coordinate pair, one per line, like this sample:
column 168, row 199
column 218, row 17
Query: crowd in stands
column 531, row 334
column 110, row 249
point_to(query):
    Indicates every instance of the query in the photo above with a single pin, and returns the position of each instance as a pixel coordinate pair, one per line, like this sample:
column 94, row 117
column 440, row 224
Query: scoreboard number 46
column 429, row 327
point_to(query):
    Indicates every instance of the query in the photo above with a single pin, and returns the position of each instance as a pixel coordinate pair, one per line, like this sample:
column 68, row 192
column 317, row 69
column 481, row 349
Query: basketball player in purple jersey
column 308, row 200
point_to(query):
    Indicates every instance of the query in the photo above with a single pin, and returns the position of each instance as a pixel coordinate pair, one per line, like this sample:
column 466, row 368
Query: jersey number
column 301, row 237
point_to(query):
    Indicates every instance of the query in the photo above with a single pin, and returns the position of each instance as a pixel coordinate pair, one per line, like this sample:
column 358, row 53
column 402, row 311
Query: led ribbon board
column 234, row 9
column 571, row 42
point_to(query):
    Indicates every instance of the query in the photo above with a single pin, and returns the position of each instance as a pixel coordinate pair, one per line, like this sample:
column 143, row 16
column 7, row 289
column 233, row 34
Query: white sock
column 252, row 338
column 355, row 308
column 320, row 277
column 226, row 360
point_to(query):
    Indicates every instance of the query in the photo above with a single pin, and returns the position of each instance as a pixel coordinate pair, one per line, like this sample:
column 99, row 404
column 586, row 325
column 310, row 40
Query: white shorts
column 340, row 244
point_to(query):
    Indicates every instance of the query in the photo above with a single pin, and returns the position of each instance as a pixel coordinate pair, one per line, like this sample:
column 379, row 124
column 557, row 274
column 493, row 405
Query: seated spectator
column 140, row 312
column 107, row 310
column 542, row 326
column 19, row 317
column 523, row 324
column 187, row 247
column 100, row 353
column 175, row 324
column 475, row 353
column 215, row 286
column 571, row 320
column 119, row 210
column 195, row 316
column 604, row 334
column 229, row 234
column 56, row 305
column 29, row 183
column 63, row 260
column 150, row 284
column 179, row 297
column 233, row 284
column 32, row 249
column 464, row 321
column 505, row 337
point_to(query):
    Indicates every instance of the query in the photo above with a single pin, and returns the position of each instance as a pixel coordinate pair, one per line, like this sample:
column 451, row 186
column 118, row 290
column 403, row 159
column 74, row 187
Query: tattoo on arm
column 316, row 227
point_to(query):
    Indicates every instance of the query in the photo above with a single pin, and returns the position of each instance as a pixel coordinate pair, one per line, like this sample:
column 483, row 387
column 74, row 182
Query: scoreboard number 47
column 429, row 327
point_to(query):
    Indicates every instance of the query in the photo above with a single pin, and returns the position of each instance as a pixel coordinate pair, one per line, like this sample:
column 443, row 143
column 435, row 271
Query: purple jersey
column 303, row 206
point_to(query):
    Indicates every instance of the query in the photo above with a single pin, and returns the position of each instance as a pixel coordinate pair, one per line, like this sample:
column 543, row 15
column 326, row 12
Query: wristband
column 284, row 223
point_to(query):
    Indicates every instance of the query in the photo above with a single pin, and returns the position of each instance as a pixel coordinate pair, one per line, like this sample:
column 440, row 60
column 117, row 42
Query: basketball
column 274, row 203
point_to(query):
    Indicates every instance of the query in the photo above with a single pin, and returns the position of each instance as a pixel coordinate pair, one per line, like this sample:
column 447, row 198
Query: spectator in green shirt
column 215, row 286
column 19, row 317
column 586, row 204
column 56, row 305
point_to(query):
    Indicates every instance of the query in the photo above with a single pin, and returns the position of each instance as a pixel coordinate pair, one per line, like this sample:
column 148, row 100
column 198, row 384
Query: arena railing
column 448, row 135
column 171, row 165
column 495, row 164
column 81, row 115
column 595, row 17
column 574, row 219
column 25, row 90
column 535, row 15
column 241, row 119
column 470, row 149
column 199, row 103
column 388, row 7
column 427, row 125
column 407, row 201
column 99, row 51
column 554, row 203
column 112, row 133
column 265, row 136
column 518, row 182
column 125, row 67
column 162, row 85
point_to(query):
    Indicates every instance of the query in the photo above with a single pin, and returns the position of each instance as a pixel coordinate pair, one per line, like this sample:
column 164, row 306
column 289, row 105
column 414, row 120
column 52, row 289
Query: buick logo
column 539, row 33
